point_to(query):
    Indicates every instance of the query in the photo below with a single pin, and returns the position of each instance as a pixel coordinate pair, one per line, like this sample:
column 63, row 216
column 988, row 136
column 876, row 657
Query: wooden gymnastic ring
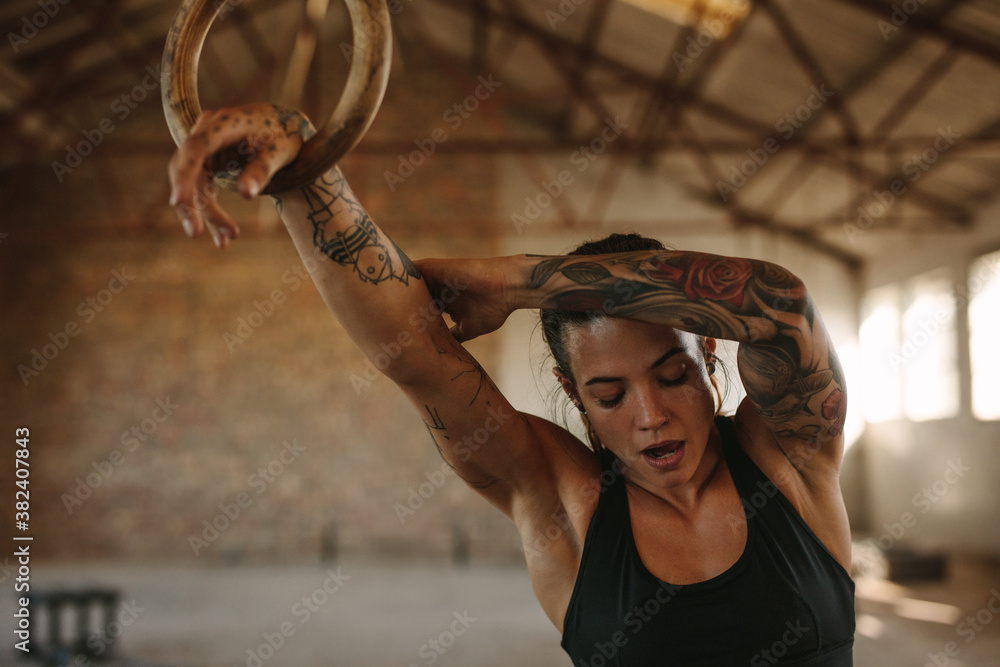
column 366, row 84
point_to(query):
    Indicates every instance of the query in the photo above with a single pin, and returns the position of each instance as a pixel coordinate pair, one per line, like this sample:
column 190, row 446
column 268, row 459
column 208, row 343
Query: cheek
column 611, row 422
column 611, row 427
column 699, row 394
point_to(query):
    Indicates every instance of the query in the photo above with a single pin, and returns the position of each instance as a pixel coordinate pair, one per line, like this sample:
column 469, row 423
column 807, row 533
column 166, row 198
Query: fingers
column 223, row 228
column 257, row 145
column 182, row 197
column 208, row 214
column 255, row 175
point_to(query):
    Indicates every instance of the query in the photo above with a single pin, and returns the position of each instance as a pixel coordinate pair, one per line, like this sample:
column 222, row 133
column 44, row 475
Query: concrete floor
column 388, row 614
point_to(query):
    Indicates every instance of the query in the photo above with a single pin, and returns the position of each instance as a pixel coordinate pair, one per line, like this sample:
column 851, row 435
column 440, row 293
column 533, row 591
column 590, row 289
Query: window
column 879, row 339
column 909, row 351
column 928, row 355
column 984, row 322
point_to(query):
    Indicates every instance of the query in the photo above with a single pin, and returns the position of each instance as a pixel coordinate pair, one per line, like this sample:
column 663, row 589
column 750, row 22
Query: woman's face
column 647, row 394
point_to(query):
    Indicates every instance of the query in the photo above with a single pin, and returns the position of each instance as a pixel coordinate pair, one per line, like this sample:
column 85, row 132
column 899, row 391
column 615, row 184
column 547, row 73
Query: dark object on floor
column 67, row 624
column 909, row 564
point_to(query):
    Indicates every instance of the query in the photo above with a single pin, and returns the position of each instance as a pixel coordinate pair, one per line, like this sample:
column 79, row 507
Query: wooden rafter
column 929, row 24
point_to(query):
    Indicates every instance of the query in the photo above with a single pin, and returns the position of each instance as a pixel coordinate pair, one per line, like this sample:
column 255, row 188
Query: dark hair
column 555, row 323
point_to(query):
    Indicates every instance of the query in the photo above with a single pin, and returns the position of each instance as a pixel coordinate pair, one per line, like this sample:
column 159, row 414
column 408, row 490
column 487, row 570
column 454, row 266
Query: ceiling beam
column 628, row 74
column 910, row 98
column 894, row 50
column 591, row 34
column 701, row 69
column 558, row 58
column 480, row 34
column 928, row 24
column 664, row 91
column 810, row 65
column 742, row 216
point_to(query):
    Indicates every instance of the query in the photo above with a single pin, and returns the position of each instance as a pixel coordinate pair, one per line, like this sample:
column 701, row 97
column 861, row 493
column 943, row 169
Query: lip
column 669, row 463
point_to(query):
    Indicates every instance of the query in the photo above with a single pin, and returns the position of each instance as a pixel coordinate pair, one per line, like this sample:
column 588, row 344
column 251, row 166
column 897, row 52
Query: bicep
column 796, row 386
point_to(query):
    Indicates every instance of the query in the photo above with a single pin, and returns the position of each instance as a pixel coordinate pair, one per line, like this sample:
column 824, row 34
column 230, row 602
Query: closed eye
column 608, row 404
column 678, row 381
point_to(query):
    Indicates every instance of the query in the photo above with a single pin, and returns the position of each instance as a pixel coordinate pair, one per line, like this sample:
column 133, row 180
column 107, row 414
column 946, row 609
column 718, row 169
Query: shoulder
column 566, row 479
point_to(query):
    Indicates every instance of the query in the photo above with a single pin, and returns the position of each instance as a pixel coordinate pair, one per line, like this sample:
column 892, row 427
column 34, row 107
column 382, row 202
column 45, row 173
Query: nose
column 652, row 411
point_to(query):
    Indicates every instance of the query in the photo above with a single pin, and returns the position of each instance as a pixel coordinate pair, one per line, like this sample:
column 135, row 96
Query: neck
column 686, row 497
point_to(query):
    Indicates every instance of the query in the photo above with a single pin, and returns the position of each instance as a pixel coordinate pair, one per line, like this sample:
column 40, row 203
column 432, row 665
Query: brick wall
column 161, row 407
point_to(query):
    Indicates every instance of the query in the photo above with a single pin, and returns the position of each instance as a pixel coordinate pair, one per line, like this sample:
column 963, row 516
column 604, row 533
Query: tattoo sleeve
column 786, row 361
column 358, row 243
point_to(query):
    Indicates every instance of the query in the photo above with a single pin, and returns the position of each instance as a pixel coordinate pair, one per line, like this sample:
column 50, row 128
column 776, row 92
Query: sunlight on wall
column 909, row 351
column 879, row 336
column 849, row 353
column 929, row 352
column 984, row 322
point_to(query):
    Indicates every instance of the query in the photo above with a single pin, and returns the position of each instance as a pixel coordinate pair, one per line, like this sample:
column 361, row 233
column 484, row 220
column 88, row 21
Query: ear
column 708, row 352
column 709, row 344
column 568, row 386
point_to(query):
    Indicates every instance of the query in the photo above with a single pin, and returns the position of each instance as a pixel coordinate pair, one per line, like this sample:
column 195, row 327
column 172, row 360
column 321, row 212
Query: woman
column 681, row 537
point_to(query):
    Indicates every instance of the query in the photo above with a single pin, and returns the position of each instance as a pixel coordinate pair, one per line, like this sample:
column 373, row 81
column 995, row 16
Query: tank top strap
column 613, row 504
column 747, row 476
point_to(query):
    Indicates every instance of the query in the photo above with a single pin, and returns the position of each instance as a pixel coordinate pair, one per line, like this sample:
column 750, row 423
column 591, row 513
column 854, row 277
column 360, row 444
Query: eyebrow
column 604, row 379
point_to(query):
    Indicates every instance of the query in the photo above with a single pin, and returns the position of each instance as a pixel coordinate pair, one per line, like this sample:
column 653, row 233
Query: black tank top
column 786, row 601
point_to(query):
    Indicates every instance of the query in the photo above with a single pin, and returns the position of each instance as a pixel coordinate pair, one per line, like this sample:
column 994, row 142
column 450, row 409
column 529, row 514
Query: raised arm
column 375, row 292
column 786, row 361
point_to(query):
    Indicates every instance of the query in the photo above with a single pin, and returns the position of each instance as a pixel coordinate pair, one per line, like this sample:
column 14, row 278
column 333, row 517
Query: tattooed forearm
column 786, row 362
column 724, row 297
column 796, row 382
column 343, row 232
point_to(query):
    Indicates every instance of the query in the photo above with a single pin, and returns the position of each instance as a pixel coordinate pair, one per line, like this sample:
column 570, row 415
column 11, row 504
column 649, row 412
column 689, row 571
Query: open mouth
column 663, row 451
column 664, row 455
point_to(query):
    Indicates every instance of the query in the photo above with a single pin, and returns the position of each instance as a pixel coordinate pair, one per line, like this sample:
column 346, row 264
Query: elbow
column 780, row 300
column 783, row 292
column 780, row 281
